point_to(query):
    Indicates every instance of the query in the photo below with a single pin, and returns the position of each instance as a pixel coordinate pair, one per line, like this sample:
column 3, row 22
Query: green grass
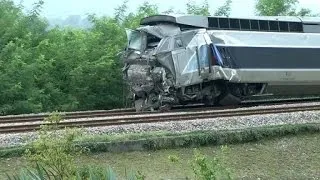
column 291, row 157
column 165, row 140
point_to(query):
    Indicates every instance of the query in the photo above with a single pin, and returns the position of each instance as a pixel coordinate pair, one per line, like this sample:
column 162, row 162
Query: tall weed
column 206, row 169
column 54, row 149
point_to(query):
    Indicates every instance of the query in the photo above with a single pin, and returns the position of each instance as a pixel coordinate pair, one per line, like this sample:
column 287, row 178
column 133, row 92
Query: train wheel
column 209, row 101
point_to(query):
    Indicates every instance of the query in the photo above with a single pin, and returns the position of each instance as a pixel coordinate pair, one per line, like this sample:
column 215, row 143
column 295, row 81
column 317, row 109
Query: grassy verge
column 290, row 157
column 156, row 141
column 165, row 140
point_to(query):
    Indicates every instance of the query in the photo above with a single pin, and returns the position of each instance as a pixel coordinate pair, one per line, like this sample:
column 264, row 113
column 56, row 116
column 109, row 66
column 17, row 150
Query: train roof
column 260, row 23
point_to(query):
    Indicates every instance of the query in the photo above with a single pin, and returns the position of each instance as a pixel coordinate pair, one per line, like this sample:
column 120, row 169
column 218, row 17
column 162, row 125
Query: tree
column 304, row 12
column 280, row 8
column 132, row 19
column 169, row 11
column 120, row 11
column 19, row 37
column 224, row 10
column 195, row 9
column 204, row 8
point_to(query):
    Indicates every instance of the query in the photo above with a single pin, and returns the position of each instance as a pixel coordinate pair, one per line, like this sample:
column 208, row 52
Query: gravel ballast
column 230, row 123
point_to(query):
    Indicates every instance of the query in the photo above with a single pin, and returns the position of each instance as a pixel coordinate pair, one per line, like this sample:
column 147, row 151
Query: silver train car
column 177, row 60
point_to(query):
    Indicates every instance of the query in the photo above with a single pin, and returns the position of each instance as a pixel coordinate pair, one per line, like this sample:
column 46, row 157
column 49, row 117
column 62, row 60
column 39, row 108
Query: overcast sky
column 63, row 8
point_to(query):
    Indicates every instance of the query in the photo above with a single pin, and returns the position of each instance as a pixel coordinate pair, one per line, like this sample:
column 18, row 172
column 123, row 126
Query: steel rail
column 66, row 115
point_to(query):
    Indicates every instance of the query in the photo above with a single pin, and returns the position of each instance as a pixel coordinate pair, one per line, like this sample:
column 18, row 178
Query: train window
column 245, row 24
column 224, row 23
column 152, row 41
column 284, row 26
column 255, row 25
column 274, row 25
column 135, row 39
column 234, row 23
column 264, row 25
column 204, row 56
column 295, row 27
column 213, row 22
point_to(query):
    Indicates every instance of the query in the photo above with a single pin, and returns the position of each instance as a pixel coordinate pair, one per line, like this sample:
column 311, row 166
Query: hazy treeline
column 44, row 69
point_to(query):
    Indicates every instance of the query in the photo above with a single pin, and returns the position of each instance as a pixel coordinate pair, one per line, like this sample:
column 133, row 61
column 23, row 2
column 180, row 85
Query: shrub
column 54, row 149
column 205, row 169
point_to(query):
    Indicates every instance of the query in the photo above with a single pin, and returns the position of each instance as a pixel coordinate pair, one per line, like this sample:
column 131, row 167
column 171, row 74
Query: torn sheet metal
column 160, row 31
column 199, row 39
column 139, row 78
column 165, row 59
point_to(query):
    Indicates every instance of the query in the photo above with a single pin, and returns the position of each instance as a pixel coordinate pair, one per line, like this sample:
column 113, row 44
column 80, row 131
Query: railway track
column 66, row 115
column 131, row 111
column 122, row 119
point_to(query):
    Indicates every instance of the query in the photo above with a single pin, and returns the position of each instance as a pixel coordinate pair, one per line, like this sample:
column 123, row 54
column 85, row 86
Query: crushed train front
column 146, row 76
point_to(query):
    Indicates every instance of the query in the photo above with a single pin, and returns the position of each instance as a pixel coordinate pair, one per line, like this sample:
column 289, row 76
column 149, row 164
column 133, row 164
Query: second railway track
column 158, row 117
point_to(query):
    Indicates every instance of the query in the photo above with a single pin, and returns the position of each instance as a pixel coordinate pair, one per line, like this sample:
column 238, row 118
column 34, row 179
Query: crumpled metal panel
column 166, row 60
column 193, row 61
column 225, row 73
column 185, row 63
column 165, row 45
column 199, row 39
column 160, row 31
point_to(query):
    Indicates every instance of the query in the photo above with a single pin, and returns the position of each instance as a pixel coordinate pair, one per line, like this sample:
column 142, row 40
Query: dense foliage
column 280, row 8
column 60, row 69
column 44, row 69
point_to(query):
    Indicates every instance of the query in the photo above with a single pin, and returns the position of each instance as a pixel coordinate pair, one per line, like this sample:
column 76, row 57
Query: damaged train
column 178, row 60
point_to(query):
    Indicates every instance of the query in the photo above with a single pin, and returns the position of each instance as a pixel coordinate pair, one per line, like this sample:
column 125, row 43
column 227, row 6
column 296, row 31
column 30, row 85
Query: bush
column 54, row 149
column 210, row 170
column 204, row 169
